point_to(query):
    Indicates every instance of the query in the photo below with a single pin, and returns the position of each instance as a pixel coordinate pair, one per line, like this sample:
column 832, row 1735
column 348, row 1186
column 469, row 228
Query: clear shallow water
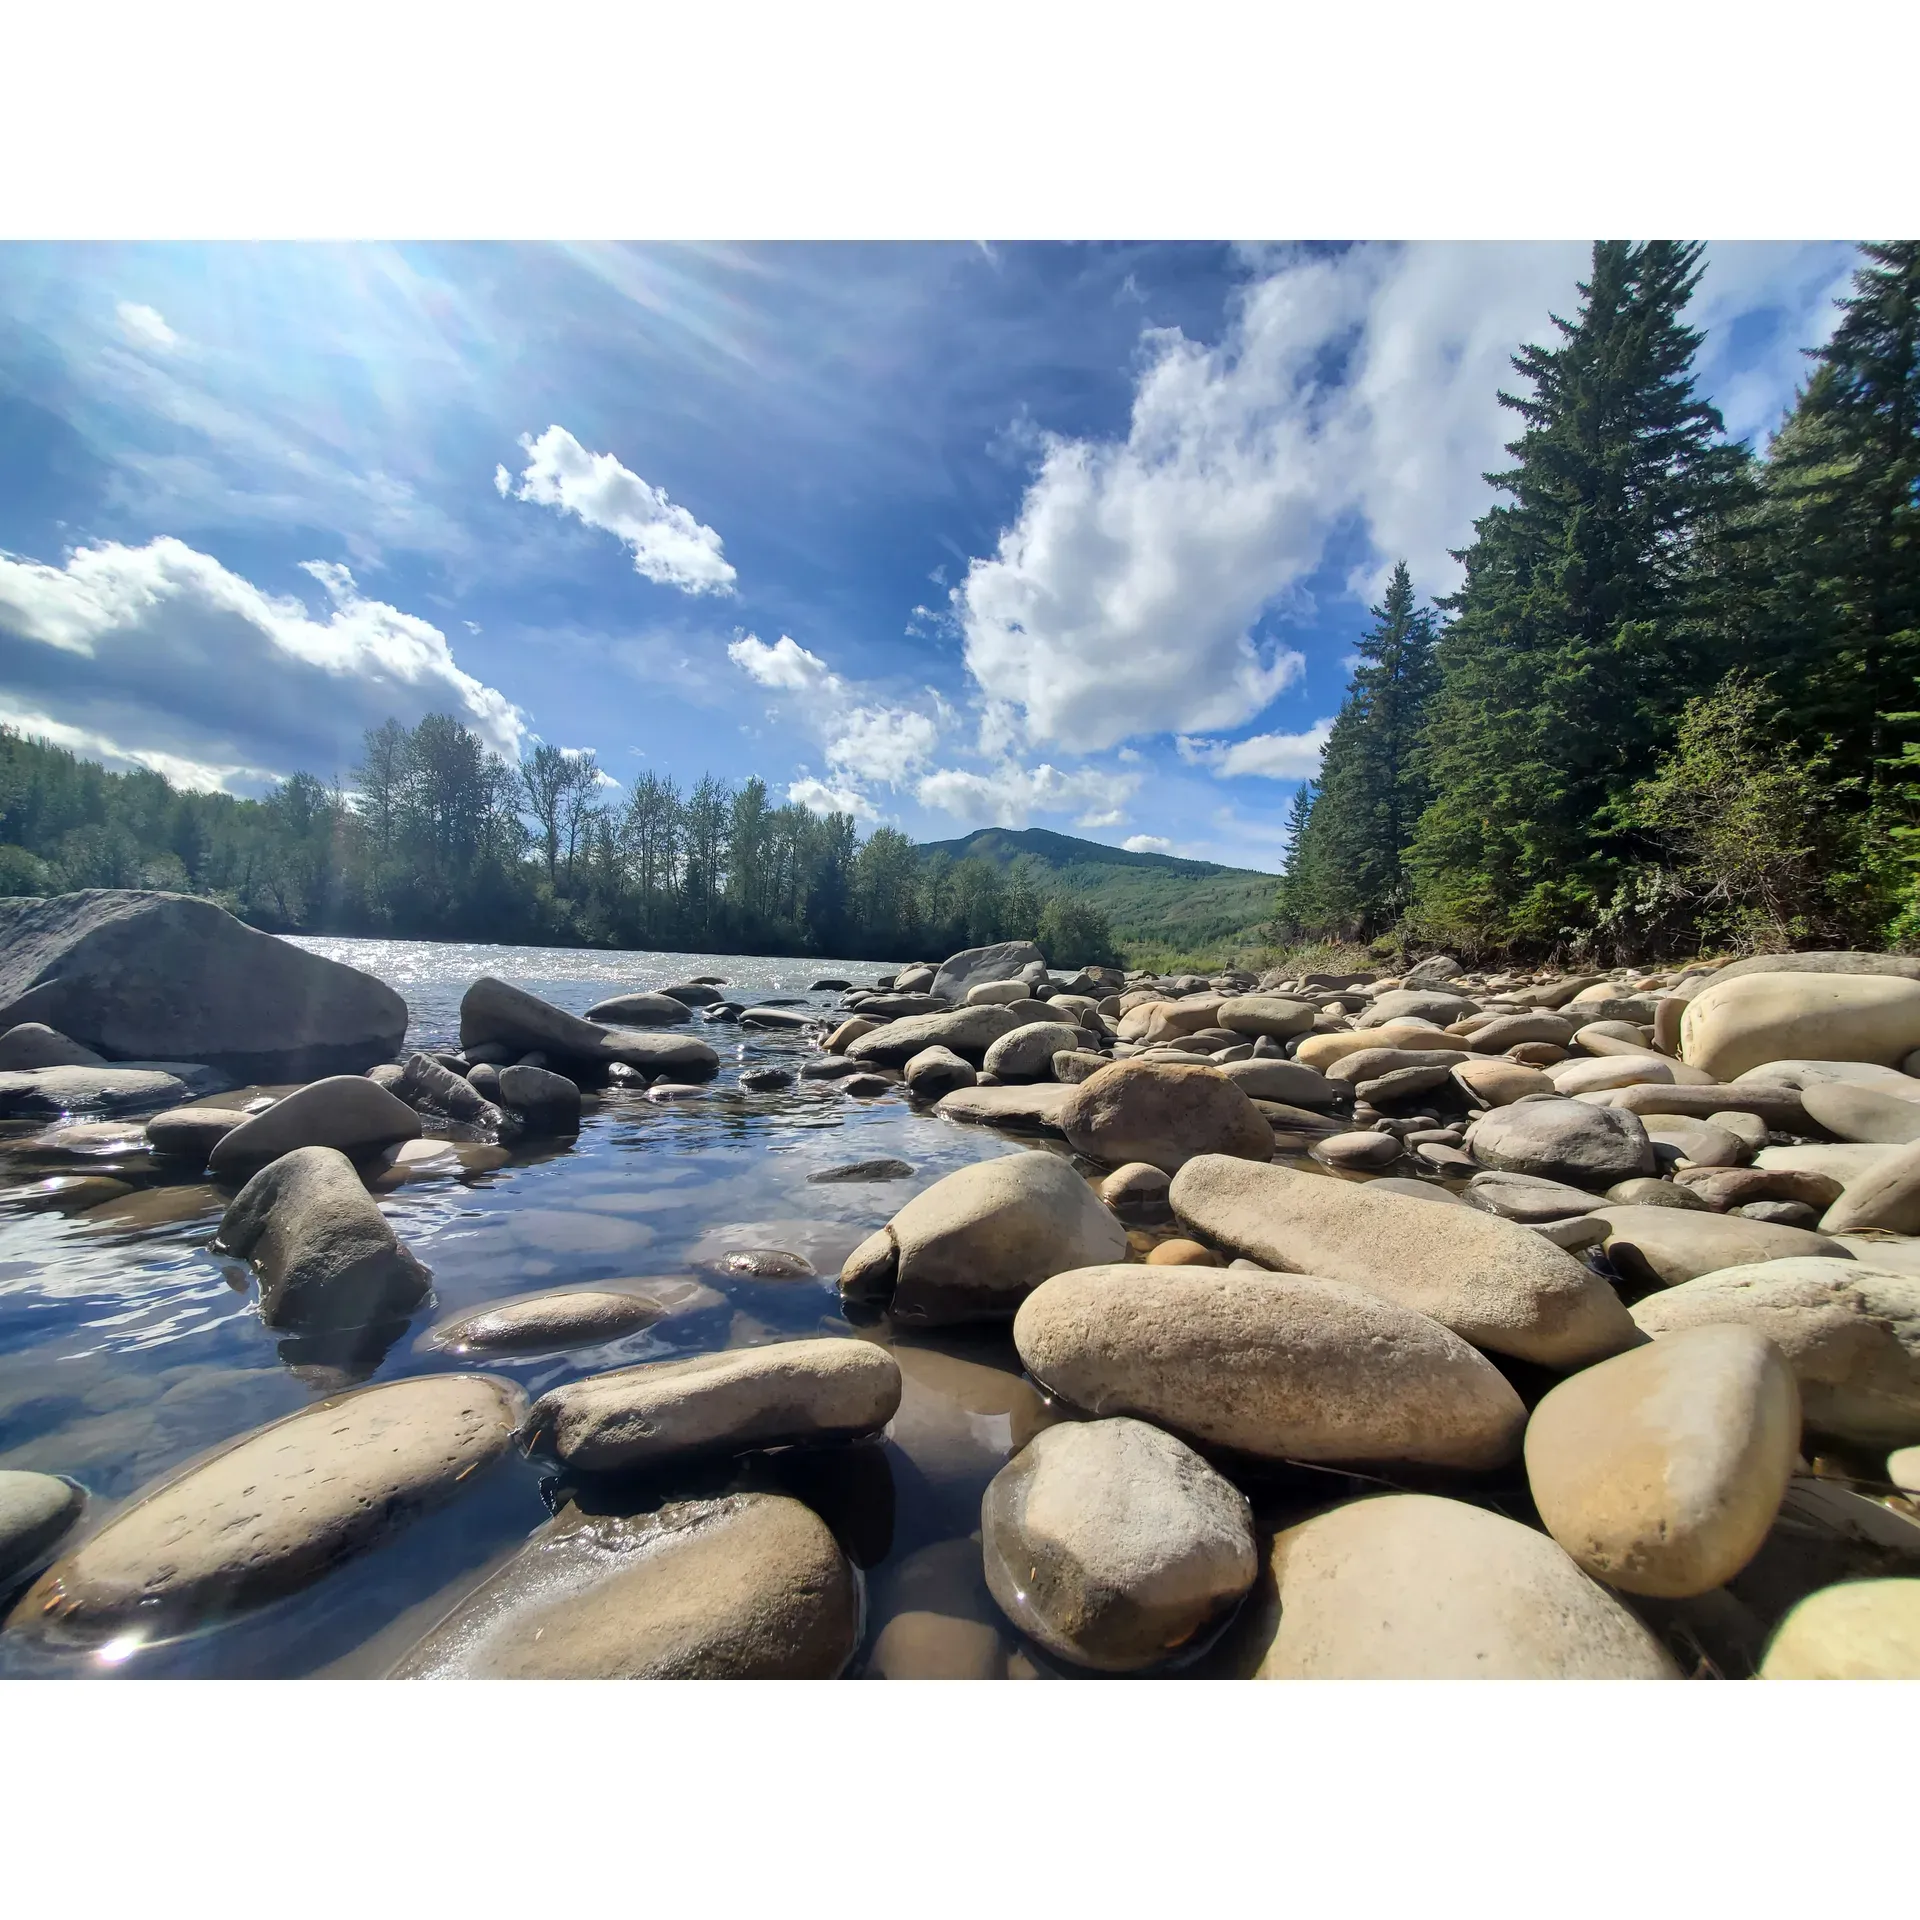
column 127, row 1348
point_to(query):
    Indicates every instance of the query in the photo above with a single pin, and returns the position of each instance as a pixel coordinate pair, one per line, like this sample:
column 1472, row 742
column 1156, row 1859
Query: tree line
column 436, row 837
column 1672, row 702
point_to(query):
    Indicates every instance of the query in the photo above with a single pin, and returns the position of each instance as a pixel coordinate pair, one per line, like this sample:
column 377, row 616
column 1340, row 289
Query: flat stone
column 51, row 1090
column 1498, row 1083
column 1113, row 1544
column 1843, row 1163
column 64, row 1191
column 1865, row 1115
column 1661, row 1471
column 967, row 1031
column 1802, row 1074
column 1667, row 1246
column 1586, row 1147
column 1406, row 1586
column 1143, row 1110
column 1278, row 1366
column 191, row 1133
column 35, row 1044
column 1860, row 1630
column 563, row 1317
column 1747, row 1020
column 1699, row 1142
column 83, row 1143
column 1418, row 1004
column 833, row 1068
column 976, row 1243
column 1525, row 1197
column 642, row 1009
column 347, row 1112
column 860, row 1171
column 1038, row 1106
column 1622, row 1070
column 1850, row 1332
column 1371, row 1063
column 36, row 1511
column 1491, row 1282
column 1358, row 1150
column 1642, row 1191
column 1727, row 1189
column 639, row 1418
column 274, row 1509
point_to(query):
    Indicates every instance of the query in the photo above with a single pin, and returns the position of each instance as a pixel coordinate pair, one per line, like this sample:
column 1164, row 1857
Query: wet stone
column 763, row 1263
column 860, row 1171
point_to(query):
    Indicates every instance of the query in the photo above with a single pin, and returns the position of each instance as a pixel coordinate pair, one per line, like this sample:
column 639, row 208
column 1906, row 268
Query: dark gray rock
column 146, row 976
column 1005, row 960
column 34, row 1044
column 428, row 1086
column 643, row 1009
column 968, row 1031
column 492, row 1013
column 861, row 1170
column 541, row 1102
column 766, row 1079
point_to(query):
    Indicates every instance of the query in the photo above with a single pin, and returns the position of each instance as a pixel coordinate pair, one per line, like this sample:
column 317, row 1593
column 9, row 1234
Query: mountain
column 1150, row 898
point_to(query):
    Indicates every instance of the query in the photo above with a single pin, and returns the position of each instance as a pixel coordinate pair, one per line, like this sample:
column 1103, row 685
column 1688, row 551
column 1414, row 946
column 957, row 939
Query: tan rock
column 1162, row 1114
column 1321, row 1050
column 1264, row 1013
column 1744, row 1022
column 1666, row 1246
column 1498, row 1083
column 1660, row 1471
column 1183, row 1253
column 1861, row 1630
column 1495, row 1284
column 1280, row 1366
column 848, row 1031
column 936, row 1619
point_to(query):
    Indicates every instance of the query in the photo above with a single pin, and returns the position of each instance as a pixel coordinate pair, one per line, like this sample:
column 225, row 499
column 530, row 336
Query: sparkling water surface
column 127, row 1348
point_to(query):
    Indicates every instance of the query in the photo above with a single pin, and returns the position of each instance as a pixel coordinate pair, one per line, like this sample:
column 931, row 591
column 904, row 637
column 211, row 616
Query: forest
column 437, row 838
column 1673, row 702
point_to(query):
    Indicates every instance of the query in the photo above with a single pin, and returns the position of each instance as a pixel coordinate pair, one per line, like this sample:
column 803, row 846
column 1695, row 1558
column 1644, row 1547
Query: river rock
column 935, row 1071
column 542, row 1102
column 1371, row 1063
column 51, row 1090
column 1499, row 1083
column 34, row 1044
column 1358, row 1151
column 1727, row 1189
column 1884, row 1199
column 1137, row 1191
column 136, row 975
column 1620, row 1070
column 563, row 1317
column 1845, row 1163
column 324, row 1253
column 1850, row 1332
column 431, row 1086
column 968, row 1031
column 1033, row 1106
column 855, row 1172
column 1864, row 1115
column 990, row 993
column 36, row 1511
column 752, row 1586
column 1666, row 1246
column 879, row 1007
column 1519, row 1029
column 1742, row 1022
column 1278, row 1366
column 1441, row 1008
column 1113, row 1544
column 1587, row 1147
column 1004, row 960
column 788, row 1394
column 65, row 1192
column 1859, row 1630
column 1265, row 1013
column 1645, row 1192
column 1027, row 1052
column 642, row 1009
column 1434, row 971
column 1901, row 965
column 1321, row 1050
column 347, row 1112
column 1144, row 1110
column 1493, row 1283
column 494, row 1013
column 1406, row 1586
column 694, row 993
column 1285, row 1081
column 975, row 1244
column 1699, row 1142
column 937, row 1620
column 1802, row 1074
column 273, row 1510
column 1526, row 1198
column 1660, row 1471
column 765, row 1079
column 1078, row 1064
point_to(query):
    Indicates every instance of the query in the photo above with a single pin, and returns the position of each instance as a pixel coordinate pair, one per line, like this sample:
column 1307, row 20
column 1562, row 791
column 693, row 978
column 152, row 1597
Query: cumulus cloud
column 145, row 326
column 1011, row 794
column 1271, row 756
column 786, row 664
column 818, row 797
column 165, row 653
column 667, row 543
column 1146, row 843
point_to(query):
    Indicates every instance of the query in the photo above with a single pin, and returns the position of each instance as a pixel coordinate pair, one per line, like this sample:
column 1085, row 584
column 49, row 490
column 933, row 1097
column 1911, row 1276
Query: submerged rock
column 563, row 1317
column 273, row 1510
column 36, row 1511
column 752, row 1586
column 1406, row 1586
column 861, row 1171
column 1113, row 1544
column 324, row 1253
column 53, row 1090
column 1494, row 1283
column 492, row 1013
column 1279, row 1366
column 937, row 1620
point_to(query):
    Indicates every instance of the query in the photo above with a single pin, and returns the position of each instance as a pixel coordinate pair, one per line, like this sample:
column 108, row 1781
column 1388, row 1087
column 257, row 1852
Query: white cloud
column 818, row 797
column 145, row 326
column 1146, row 843
column 668, row 544
column 786, row 664
column 166, row 653
column 1271, row 756
column 1011, row 794
column 883, row 744
column 192, row 774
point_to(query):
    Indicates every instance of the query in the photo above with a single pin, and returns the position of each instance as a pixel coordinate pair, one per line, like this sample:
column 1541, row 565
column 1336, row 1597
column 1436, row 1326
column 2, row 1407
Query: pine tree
column 1580, row 630
column 1297, row 902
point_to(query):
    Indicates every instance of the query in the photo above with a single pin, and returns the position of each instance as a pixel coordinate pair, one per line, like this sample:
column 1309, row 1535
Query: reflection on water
column 127, row 1348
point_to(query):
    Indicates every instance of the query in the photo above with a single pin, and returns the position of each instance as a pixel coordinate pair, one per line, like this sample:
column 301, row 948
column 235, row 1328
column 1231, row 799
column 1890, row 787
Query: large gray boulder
column 967, row 1031
column 975, row 1244
column 35, row 1044
column 49, row 1090
column 1113, row 1544
column 159, row 976
column 1498, row 1285
column 492, row 1013
column 324, row 1253
column 274, row 1509
column 347, row 1111
column 1005, row 960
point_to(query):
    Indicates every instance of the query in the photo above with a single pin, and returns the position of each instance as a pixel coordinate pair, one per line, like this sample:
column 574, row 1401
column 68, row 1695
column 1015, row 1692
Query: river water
column 127, row 1348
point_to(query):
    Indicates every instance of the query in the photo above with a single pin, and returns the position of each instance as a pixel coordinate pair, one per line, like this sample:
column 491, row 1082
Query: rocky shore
column 1443, row 1324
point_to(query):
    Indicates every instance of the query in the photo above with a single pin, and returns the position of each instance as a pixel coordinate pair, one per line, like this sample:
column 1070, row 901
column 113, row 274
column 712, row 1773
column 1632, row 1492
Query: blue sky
column 947, row 534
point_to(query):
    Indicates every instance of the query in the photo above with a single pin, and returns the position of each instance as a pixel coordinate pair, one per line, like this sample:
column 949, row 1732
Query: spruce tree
column 1580, row 630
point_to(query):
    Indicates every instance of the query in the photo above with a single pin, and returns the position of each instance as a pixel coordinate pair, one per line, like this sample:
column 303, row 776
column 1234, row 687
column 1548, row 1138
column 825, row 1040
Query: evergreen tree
column 1580, row 630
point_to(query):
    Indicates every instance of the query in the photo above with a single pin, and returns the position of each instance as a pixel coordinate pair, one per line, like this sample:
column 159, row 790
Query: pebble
column 763, row 1263
column 1114, row 1545
column 1183, row 1253
column 190, row 1134
column 936, row 1071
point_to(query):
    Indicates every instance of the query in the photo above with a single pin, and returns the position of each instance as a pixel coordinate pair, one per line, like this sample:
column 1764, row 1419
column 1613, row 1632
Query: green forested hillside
column 1149, row 899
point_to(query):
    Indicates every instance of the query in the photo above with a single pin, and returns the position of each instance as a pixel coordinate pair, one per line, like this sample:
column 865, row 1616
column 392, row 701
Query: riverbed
column 128, row 1348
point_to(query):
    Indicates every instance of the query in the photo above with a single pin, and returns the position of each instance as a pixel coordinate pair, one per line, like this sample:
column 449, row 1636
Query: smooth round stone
column 749, row 1587
column 1747, row 1021
column 1164, row 1115
column 1137, row 1190
column 833, row 1068
column 1749, row 1129
column 763, row 1263
column 81, row 1141
column 1113, row 1544
column 1621, row 1070
column 1358, row 1150
column 1499, row 1083
column 1862, row 1630
column 1562, row 1139
column 274, row 1509
column 937, row 1619
column 64, row 1190
column 1781, row 1213
column 1884, row 1199
column 1903, row 1469
column 667, row 1093
column 1281, row 1366
column 1027, row 1052
column 937, row 1071
column 1407, row 1586
column 36, row 1509
column 1730, row 1189
column 552, row 1321
column 1448, row 1159
column 766, row 1079
column 867, row 1086
column 1868, row 1116
column 1285, row 1081
column 1572, row 1236
column 1845, row 1163
column 1644, row 1191
column 640, row 1010
column 1661, row 1470
column 848, row 1031
column 1183, row 1253
column 1698, row 1142
column 1268, row 1014
column 1521, row 1029
column 787, row 1394
column 192, row 1133
column 34, row 1044
column 347, row 1112
column 1850, row 1333
column 1664, row 1246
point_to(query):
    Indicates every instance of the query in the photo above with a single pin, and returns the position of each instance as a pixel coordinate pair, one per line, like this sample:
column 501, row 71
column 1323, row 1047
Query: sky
column 943, row 535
